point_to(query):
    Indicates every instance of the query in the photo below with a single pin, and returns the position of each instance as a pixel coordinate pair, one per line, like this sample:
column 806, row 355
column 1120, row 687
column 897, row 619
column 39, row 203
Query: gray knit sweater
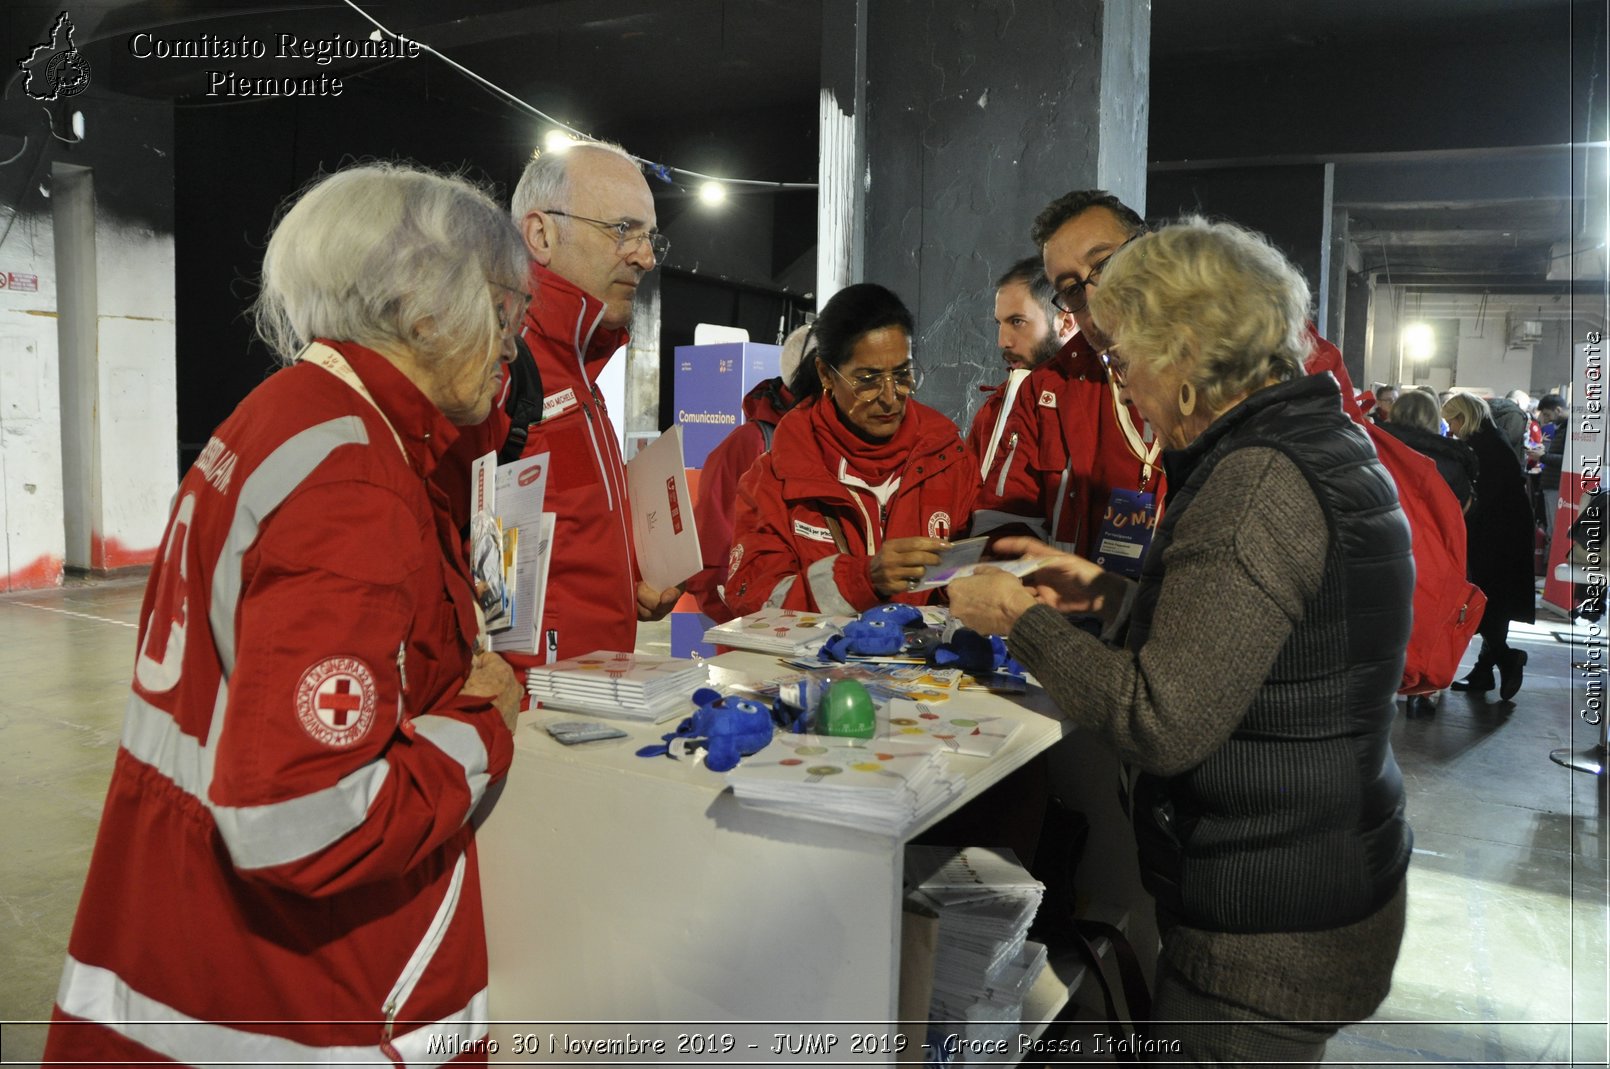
column 1244, row 559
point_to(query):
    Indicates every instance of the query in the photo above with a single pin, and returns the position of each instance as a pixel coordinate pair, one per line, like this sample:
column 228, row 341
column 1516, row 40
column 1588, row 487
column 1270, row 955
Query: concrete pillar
column 841, row 159
column 979, row 113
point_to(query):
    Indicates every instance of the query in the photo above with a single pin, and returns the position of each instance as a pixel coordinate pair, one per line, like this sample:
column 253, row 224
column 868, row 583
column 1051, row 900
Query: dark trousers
column 1494, row 632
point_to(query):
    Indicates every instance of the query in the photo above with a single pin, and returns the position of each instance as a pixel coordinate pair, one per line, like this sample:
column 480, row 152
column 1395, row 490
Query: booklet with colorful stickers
column 785, row 631
column 904, row 720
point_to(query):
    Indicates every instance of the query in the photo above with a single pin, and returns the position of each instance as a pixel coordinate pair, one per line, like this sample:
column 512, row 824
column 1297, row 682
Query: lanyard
column 1147, row 455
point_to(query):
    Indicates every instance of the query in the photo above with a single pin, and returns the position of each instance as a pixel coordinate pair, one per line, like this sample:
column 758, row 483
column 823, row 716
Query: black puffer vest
column 1296, row 822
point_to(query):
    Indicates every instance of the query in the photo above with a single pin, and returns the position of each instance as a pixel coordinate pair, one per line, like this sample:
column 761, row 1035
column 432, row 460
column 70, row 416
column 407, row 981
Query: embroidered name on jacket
column 557, row 404
column 816, row 534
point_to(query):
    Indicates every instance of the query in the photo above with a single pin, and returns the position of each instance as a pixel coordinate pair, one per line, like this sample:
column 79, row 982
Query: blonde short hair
column 1473, row 409
column 392, row 256
column 1216, row 300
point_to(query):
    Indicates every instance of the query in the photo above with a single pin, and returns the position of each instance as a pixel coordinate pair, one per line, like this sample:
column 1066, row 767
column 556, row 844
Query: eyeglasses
column 626, row 239
column 1072, row 297
column 1117, row 367
column 509, row 306
column 866, row 387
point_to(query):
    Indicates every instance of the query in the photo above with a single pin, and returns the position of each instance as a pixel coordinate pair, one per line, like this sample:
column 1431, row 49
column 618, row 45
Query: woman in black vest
column 1262, row 649
column 1499, row 533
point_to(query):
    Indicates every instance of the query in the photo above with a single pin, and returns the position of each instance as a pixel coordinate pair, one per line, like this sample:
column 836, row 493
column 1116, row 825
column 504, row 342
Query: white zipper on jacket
column 414, row 970
column 1062, row 499
column 581, row 345
column 1006, row 465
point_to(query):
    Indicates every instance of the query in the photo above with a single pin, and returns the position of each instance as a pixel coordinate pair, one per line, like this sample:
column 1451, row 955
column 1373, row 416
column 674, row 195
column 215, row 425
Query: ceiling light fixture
column 1419, row 341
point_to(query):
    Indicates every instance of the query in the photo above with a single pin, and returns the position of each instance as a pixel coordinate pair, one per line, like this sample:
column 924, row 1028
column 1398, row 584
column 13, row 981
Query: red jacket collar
column 769, row 401
column 800, row 464
column 1077, row 359
column 425, row 432
column 570, row 319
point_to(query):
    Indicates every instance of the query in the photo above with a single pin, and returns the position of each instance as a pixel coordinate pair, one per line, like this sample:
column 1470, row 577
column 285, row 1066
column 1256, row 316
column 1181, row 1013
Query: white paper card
column 662, row 513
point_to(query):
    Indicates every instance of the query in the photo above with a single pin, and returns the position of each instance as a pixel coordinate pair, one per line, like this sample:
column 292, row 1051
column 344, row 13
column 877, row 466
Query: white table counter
column 638, row 890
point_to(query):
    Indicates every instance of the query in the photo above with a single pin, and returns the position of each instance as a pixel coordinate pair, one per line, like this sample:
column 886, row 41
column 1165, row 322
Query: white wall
column 30, row 411
column 137, row 413
column 122, row 458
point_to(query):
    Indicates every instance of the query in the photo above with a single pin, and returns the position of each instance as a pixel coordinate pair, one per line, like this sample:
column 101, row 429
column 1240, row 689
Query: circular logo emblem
column 734, row 559
column 939, row 525
column 335, row 701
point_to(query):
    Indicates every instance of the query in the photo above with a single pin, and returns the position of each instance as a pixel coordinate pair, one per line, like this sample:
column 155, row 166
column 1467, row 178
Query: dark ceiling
column 653, row 65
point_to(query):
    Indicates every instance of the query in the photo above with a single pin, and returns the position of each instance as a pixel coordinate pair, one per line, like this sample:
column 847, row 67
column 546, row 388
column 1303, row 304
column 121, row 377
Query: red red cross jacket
column 284, row 849
column 591, row 600
column 718, row 491
column 784, row 553
column 1062, row 453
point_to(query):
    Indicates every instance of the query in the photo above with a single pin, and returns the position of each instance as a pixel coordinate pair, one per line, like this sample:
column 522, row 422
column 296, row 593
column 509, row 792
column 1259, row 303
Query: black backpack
column 524, row 405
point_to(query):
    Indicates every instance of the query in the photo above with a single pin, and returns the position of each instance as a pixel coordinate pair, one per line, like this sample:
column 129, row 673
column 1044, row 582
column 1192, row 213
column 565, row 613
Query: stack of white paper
column 627, row 686
column 984, row 967
column 872, row 785
column 789, row 632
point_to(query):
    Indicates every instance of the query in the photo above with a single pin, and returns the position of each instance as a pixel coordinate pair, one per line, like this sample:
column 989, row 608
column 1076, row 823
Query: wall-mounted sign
column 16, row 280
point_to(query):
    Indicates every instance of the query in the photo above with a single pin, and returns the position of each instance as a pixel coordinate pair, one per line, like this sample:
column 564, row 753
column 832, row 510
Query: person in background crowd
column 1415, row 422
column 1029, row 330
column 1385, row 397
column 286, row 840
column 1498, row 533
column 863, row 484
column 1071, row 450
column 1256, row 688
column 1551, row 416
column 1511, row 420
column 588, row 218
column 727, row 463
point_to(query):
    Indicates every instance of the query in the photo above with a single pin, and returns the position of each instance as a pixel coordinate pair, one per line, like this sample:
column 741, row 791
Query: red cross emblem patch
column 335, row 701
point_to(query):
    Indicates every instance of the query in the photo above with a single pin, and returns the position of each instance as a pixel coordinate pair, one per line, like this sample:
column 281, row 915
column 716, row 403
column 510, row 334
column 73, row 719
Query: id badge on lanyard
column 1126, row 531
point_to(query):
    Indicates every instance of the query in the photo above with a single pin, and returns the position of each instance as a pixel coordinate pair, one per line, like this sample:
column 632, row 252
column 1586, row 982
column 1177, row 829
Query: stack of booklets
column 872, row 785
column 788, row 632
column 624, row 686
column 977, row 735
column 984, row 965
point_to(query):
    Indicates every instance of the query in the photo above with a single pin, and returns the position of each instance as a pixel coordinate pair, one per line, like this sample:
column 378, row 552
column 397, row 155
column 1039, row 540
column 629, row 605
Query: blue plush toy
column 730, row 727
column 878, row 632
column 975, row 654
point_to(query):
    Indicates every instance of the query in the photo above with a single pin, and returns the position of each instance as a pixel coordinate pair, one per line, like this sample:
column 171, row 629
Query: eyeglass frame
column 625, row 241
column 872, row 388
column 1116, row 366
column 1059, row 298
column 506, row 323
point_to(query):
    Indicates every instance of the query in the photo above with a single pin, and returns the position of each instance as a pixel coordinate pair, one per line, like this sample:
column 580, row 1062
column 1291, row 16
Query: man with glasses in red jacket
column 588, row 220
column 1074, row 459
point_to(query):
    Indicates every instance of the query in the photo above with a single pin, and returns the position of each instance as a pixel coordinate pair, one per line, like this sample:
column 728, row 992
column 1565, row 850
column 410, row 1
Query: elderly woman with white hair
column 285, row 871
column 1262, row 649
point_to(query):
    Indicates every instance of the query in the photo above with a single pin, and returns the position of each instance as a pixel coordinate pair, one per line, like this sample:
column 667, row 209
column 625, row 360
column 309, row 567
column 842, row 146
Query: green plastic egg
column 847, row 710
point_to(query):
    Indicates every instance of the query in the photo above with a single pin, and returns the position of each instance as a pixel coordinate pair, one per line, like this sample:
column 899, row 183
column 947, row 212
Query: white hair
column 391, row 256
column 545, row 183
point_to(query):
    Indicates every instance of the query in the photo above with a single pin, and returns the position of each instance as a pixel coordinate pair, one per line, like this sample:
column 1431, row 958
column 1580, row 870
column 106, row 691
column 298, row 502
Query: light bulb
column 712, row 193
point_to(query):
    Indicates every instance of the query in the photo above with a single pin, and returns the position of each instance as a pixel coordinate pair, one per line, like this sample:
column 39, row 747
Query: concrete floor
column 1503, row 963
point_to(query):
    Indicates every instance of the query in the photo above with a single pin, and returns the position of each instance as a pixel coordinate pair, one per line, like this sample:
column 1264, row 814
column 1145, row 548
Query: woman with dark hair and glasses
column 863, row 484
